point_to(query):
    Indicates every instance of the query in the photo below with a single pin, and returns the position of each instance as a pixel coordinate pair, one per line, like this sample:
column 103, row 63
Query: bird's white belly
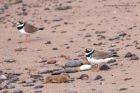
column 98, row 61
column 23, row 31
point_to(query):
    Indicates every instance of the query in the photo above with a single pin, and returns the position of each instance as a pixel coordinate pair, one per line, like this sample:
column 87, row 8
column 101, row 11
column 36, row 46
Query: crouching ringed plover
column 97, row 58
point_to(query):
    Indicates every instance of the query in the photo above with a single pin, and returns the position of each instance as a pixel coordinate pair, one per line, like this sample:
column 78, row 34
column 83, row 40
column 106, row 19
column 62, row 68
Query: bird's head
column 20, row 24
column 89, row 52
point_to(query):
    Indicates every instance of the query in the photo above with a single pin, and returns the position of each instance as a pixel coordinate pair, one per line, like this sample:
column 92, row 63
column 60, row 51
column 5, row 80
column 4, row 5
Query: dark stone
column 55, row 48
column 57, row 18
column 84, row 77
column 60, row 7
column 17, row 91
column 38, row 86
column 10, row 60
column 44, row 70
column 104, row 67
column 73, row 63
column 122, row 34
column 114, row 38
column 122, row 89
column 134, row 57
column 48, row 42
column 98, row 77
column 128, row 54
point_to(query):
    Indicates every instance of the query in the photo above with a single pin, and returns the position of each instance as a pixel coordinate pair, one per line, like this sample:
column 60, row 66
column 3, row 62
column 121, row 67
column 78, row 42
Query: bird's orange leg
column 27, row 40
column 97, row 68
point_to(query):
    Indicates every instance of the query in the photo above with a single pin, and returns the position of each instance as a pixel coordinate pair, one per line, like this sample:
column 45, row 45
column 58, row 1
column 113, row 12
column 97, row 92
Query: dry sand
column 71, row 35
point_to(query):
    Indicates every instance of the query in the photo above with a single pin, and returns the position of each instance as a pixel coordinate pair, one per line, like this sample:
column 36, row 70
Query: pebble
column 48, row 42
column 122, row 89
column 10, row 60
column 128, row 54
column 3, row 77
column 71, row 70
column 29, row 84
column 131, row 56
column 85, row 67
column 43, row 70
column 55, row 48
column 71, row 91
column 17, row 91
column 114, row 38
column 37, row 91
column 60, row 7
column 66, row 70
column 15, row 1
column 38, row 86
column 51, row 61
column 73, row 63
column 38, row 77
column 98, row 77
column 121, row 33
column 134, row 57
column 84, row 77
column 104, row 67
column 20, row 49
column 42, row 60
column 57, row 18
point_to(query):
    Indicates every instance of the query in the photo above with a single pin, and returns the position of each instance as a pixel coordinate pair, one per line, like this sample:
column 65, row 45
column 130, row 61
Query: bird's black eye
column 86, row 50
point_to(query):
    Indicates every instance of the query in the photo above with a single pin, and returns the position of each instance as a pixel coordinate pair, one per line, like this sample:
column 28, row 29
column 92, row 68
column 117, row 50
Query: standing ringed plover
column 27, row 29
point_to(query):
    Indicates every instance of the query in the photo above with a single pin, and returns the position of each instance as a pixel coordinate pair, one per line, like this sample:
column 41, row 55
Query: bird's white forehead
column 20, row 25
column 89, row 52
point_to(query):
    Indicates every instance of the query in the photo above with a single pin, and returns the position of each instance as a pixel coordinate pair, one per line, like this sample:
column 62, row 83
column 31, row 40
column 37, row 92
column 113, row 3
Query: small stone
column 134, row 57
column 55, row 49
column 57, row 18
column 37, row 91
column 70, row 70
column 3, row 77
column 98, row 77
column 114, row 38
column 48, row 42
column 73, row 63
column 38, row 77
column 84, row 77
column 20, row 49
column 88, row 35
column 122, row 89
column 71, row 91
column 17, row 91
column 60, row 7
column 30, row 81
column 43, row 70
column 15, row 1
column 104, row 67
column 10, row 60
column 38, row 86
column 122, row 34
column 58, row 72
column 42, row 60
column 29, row 84
column 51, row 61
column 128, row 54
